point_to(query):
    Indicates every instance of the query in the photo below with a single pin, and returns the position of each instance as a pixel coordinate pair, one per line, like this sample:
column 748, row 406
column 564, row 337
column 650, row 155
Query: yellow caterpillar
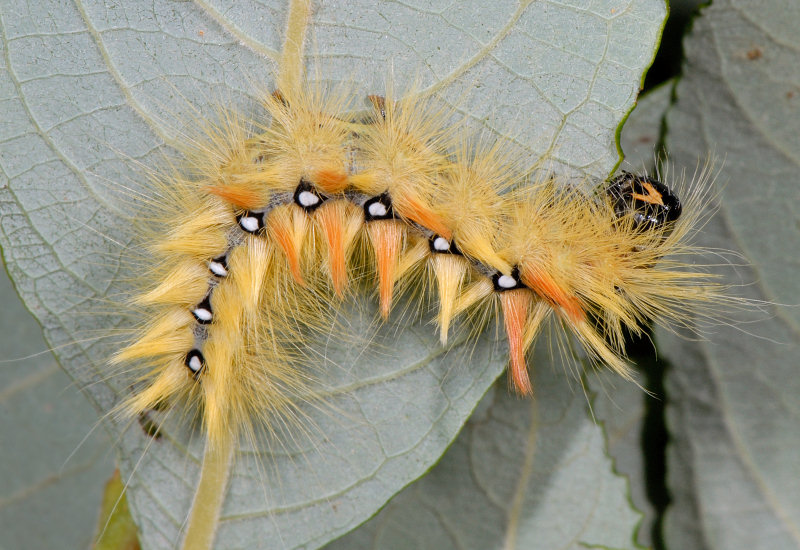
column 253, row 254
column 272, row 223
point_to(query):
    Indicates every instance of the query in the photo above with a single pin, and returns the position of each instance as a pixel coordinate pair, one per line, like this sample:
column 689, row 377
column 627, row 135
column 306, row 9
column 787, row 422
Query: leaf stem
column 207, row 505
column 291, row 67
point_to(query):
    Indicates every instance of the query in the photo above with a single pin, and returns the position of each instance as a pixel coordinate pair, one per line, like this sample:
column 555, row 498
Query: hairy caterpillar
column 239, row 282
column 322, row 260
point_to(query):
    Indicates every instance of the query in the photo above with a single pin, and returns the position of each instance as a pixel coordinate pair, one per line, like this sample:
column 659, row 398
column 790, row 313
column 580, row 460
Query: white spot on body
column 506, row 281
column 195, row 364
column 217, row 269
column 441, row 244
column 377, row 209
column 249, row 223
column 307, row 199
column 202, row 314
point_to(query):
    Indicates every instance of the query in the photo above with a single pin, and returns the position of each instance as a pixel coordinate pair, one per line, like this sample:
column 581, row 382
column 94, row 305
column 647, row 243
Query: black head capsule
column 307, row 197
column 379, row 208
column 651, row 203
column 507, row 282
column 250, row 222
column 219, row 266
column 440, row 245
column 202, row 312
column 195, row 362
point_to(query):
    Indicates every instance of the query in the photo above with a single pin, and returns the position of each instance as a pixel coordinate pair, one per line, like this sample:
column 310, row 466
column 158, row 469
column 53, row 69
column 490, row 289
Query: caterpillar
column 256, row 252
column 290, row 190
column 270, row 236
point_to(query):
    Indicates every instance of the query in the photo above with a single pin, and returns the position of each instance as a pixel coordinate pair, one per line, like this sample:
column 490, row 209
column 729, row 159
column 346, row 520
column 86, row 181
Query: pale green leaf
column 734, row 406
column 529, row 474
column 52, row 465
column 85, row 85
column 620, row 406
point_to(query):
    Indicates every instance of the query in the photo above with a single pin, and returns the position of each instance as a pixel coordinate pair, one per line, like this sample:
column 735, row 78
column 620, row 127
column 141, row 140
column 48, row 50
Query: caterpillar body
column 253, row 253
column 486, row 236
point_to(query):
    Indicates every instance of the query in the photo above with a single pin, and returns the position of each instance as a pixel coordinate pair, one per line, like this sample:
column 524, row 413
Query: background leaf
column 83, row 83
column 52, row 470
column 115, row 527
column 522, row 474
column 734, row 409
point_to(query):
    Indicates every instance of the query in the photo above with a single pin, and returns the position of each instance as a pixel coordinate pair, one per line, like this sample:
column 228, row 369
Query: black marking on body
column 503, row 282
column 440, row 245
column 307, row 197
column 250, row 222
column 379, row 208
column 149, row 426
column 195, row 362
column 202, row 312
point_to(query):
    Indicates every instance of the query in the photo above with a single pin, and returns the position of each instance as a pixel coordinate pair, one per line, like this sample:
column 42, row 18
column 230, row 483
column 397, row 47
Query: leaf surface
column 734, row 407
column 529, row 474
column 54, row 457
column 86, row 85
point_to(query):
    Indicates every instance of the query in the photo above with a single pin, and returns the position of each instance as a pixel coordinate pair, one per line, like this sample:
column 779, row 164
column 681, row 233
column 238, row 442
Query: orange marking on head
column 333, row 180
column 331, row 218
column 411, row 209
column 387, row 240
column 544, row 285
column 516, row 305
column 238, row 195
column 652, row 196
column 281, row 227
